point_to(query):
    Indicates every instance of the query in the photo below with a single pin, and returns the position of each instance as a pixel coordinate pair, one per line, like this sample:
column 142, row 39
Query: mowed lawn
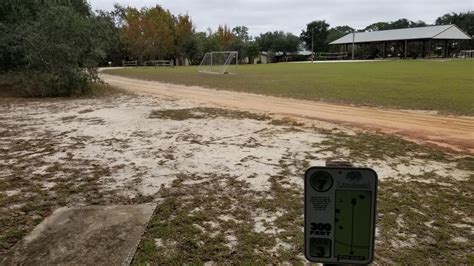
column 446, row 86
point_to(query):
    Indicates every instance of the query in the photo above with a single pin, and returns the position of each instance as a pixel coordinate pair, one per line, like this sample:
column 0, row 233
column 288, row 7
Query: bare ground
column 228, row 183
column 447, row 131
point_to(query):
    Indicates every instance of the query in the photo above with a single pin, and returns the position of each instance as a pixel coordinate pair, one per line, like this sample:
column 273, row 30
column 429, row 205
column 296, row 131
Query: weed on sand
column 219, row 219
column 423, row 222
column 205, row 113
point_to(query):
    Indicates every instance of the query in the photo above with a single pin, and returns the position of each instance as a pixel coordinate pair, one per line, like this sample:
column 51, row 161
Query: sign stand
column 340, row 211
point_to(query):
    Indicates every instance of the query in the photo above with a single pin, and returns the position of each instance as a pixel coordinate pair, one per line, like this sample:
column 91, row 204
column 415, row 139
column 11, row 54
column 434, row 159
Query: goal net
column 331, row 56
column 224, row 62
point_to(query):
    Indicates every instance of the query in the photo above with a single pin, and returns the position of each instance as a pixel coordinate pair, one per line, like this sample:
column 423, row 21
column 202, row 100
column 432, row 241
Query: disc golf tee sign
column 340, row 210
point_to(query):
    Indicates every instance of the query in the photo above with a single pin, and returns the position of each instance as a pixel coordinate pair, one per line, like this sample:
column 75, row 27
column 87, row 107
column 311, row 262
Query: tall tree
column 224, row 37
column 265, row 41
column 242, row 43
column 400, row 24
column 241, row 33
column 149, row 33
column 397, row 24
column 278, row 41
column 185, row 41
column 377, row 26
column 320, row 30
column 133, row 33
column 252, row 51
column 158, row 33
column 292, row 43
column 338, row 32
column 418, row 23
column 115, row 49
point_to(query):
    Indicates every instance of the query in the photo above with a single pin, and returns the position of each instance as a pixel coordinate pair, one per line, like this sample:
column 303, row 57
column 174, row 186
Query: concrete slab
column 89, row 235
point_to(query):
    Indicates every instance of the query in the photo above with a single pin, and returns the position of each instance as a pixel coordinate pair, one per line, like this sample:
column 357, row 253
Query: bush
column 52, row 48
column 43, row 84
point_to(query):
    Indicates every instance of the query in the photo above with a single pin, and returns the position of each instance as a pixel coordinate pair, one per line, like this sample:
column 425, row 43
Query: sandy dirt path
column 447, row 131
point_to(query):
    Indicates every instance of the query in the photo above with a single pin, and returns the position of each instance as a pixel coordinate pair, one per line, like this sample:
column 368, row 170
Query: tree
column 265, row 41
column 133, row 33
column 52, row 47
column 400, row 24
column 292, row 43
column 241, row 33
column 338, row 32
column 243, row 43
column 378, row 26
column 397, row 24
column 185, row 41
column 252, row 50
column 224, row 37
column 278, row 41
column 115, row 50
column 205, row 42
column 158, row 33
column 149, row 33
column 318, row 29
column 418, row 23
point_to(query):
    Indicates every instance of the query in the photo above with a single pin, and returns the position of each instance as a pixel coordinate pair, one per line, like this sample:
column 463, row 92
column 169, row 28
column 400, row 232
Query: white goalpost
column 331, row 56
column 223, row 62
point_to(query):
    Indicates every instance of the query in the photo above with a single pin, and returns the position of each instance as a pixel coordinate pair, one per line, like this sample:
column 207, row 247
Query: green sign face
column 352, row 224
column 340, row 214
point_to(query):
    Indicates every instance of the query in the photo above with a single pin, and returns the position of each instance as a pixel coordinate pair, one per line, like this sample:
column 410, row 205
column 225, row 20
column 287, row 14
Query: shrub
column 51, row 48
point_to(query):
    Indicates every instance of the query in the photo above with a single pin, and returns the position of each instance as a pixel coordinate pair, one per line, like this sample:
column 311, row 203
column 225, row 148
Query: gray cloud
column 292, row 15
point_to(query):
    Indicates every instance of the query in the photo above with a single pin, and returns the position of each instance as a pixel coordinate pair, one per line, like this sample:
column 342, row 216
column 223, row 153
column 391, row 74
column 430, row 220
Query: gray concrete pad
column 89, row 235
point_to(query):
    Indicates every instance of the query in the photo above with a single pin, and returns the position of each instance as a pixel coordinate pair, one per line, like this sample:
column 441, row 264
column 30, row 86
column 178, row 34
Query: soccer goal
column 223, row 62
column 331, row 56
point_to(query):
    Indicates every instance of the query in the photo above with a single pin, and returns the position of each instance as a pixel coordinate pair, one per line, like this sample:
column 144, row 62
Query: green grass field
column 445, row 86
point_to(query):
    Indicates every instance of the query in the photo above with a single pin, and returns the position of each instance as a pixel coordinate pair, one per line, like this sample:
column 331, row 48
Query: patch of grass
column 211, row 218
column 205, row 113
column 286, row 121
column 365, row 146
column 465, row 163
column 444, row 86
column 417, row 222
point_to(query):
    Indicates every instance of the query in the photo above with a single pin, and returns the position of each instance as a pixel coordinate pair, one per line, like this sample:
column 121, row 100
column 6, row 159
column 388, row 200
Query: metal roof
column 451, row 32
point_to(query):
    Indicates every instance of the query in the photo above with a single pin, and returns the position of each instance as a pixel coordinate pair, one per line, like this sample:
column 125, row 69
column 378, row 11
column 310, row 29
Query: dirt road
column 447, row 131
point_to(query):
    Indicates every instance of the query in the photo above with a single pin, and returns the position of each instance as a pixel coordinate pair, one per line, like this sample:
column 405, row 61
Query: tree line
column 148, row 34
column 155, row 33
column 53, row 47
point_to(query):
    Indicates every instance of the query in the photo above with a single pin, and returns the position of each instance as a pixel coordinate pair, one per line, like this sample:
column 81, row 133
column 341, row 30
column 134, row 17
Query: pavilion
column 431, row 41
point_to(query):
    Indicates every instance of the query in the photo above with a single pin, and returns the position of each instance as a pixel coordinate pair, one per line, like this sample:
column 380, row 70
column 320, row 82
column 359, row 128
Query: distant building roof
column 449, row 32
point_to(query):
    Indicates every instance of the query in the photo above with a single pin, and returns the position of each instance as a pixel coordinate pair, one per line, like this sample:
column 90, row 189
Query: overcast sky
column 292, row 15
